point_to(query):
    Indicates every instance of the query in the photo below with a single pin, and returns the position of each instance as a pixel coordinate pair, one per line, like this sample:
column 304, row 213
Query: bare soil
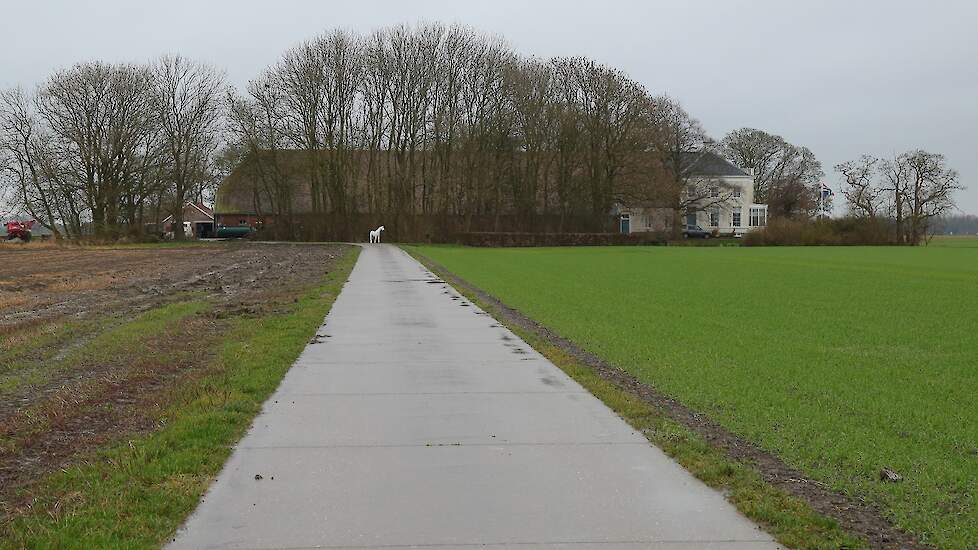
column 44, row 284
column 103, row 400
column 855, row 516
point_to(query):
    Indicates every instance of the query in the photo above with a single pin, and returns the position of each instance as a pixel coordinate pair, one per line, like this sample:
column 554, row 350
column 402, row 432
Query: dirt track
column 55, row 407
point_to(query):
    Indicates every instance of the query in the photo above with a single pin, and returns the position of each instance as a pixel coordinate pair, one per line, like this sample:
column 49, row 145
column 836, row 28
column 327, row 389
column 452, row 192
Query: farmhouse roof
column 710, row 164
column 239, row 192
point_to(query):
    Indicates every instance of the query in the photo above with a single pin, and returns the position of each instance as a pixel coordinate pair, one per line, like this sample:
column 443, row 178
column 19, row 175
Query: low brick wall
column 556, row 239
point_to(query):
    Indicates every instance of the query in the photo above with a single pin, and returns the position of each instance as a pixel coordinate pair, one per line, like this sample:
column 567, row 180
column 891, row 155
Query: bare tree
column 614, row 109
column 341, row 53
column 101, row 121
column 319, row 81
column 929, row 193
column 189, row 104
column 400, row 63
column 536, row 121
column 22, row 166
column 6, row 201
column 76, row 148
column 260, row 132
column 679, row 144
column 864, row 195
column 913, row 188
column 444, row 191
column 786, row 176
column 569, row 142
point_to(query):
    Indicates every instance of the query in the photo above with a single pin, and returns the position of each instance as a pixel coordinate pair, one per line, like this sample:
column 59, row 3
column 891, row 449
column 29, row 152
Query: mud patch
column 80, row 282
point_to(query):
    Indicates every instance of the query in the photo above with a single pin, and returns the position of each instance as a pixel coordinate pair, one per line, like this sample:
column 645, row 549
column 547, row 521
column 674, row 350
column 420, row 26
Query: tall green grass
column 843, row 361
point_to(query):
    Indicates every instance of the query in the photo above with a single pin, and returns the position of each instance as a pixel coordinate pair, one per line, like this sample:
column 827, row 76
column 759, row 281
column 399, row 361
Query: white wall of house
column 740, row 214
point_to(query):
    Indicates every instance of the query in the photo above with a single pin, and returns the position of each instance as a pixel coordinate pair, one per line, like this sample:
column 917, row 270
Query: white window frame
column 715, row 217
column 736, row 217
column 758, row 216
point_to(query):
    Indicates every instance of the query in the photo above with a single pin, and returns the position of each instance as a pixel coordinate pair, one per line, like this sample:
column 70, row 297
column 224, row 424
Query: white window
column 715, row 217
column 758, row 216
column 735, row 221
column 736, row 193
column 714, row 191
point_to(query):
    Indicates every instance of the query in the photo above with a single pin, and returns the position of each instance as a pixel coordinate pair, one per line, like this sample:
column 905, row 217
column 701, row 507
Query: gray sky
column 841, row 77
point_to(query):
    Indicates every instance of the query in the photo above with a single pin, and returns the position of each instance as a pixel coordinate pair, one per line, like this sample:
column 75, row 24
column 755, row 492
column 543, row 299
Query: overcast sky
column 841, row 77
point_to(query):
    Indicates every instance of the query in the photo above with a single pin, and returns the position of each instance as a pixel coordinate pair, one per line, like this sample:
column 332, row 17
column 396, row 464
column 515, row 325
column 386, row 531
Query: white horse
column 375, row 234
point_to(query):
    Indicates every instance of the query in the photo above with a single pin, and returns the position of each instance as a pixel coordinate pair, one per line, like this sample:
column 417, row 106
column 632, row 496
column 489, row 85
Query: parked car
column 695, row 232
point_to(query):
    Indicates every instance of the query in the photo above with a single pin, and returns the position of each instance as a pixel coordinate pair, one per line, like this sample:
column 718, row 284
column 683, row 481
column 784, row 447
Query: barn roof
column 237, row 193
column 199, row 207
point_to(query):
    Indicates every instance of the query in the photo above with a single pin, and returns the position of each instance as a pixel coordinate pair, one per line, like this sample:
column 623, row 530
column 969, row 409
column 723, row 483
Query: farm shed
column 198, row 221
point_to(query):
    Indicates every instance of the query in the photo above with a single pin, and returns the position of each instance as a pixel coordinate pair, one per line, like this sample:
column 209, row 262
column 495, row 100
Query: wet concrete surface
column 415, row 420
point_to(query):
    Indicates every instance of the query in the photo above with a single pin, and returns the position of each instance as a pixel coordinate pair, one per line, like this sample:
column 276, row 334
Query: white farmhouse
column 727, row 207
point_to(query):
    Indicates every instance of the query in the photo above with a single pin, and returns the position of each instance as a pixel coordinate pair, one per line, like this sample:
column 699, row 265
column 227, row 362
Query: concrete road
column 418, row 421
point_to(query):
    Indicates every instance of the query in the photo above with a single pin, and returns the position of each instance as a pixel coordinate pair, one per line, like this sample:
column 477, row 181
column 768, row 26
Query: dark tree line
column 441, row 120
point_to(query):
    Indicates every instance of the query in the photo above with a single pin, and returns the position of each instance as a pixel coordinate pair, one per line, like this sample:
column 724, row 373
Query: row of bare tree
column 415, row 120
column 440, row 119
column 912, row 189
column 909, row 191
column 102, row 148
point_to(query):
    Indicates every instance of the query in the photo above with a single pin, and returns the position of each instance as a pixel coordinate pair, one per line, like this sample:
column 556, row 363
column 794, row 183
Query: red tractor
column 19, row 230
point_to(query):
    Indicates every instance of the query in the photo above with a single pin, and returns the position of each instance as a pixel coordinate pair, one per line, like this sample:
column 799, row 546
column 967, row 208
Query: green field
column 965, row 241
column 841, row 360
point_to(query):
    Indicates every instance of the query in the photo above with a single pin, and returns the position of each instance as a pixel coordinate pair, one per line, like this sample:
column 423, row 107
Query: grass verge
column 135, row 494
column 789, row 519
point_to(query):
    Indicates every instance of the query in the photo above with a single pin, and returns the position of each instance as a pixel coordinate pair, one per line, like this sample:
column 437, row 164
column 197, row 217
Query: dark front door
column 691, row 219
column 626, row 224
